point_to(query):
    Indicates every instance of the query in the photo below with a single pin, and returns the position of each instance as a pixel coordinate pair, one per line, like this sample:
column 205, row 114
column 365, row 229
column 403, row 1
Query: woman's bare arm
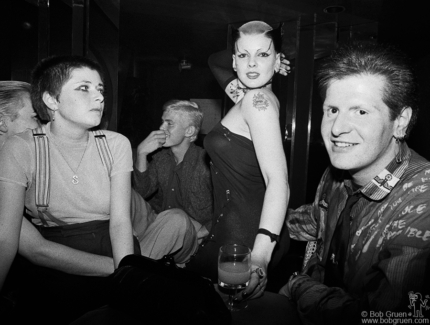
column 11, row 208
column 43, row 252
column 260, row 109
column 120, row 223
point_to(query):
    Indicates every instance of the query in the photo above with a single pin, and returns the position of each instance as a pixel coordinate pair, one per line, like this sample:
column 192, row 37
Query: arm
column 152, row 142
column 318, row 304
column 260, row 110
column 120, row 222
column 207, row 198
column 302, row 222
column 145, row 180
column 146, row 183
column 11, row 207
column 200, row 190
column 221, row 65
column 46, row 253
column 388, row 289
column 398, row 267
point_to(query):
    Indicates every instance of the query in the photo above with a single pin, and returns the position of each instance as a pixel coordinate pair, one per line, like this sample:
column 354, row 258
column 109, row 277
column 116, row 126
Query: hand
column 288, row 289
column 153, row 141
column 284, row 68
column 257, row 283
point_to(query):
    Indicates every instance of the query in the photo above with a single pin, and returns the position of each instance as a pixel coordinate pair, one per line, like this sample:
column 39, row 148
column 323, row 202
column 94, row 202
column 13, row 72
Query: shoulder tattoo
column 260, row 102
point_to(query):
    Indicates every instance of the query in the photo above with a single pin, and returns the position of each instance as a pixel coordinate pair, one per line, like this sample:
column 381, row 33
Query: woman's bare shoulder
column 260, row 99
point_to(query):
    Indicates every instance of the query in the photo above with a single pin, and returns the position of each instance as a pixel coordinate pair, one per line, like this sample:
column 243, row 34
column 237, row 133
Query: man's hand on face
column 153, row 141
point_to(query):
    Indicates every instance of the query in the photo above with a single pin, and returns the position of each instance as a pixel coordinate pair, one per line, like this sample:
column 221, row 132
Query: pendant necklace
column 75, row 177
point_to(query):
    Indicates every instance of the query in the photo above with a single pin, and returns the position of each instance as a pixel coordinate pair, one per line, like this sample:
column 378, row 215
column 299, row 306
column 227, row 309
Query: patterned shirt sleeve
column 388, row 266
column 302, row 223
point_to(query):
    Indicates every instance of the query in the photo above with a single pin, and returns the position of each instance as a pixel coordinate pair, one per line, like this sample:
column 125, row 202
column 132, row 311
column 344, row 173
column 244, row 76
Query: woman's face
column 81, row 100
column 255, row 60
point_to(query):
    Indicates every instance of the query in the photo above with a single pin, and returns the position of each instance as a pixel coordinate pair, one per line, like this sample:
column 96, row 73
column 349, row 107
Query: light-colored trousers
column 169, row 231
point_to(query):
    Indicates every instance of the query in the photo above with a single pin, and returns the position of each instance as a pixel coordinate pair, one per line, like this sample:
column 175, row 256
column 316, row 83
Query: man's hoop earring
column 398, row 139
column 399, row 156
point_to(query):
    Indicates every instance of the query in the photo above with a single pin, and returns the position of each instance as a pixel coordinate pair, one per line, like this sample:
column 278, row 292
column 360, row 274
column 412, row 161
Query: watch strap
column 266, row 232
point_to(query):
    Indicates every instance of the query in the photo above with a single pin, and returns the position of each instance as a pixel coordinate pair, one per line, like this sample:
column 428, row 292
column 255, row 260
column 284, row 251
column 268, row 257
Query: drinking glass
column 234, row 271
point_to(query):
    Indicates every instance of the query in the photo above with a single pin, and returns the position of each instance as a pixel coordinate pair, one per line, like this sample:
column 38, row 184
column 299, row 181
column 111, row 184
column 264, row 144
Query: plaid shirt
column 389, row 248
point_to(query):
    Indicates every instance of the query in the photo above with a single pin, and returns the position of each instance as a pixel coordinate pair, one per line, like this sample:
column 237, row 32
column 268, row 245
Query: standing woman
column 89, row 207
column 249, row 169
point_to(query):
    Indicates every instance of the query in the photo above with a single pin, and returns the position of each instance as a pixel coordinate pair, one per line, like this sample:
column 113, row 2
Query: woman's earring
column 53, row 116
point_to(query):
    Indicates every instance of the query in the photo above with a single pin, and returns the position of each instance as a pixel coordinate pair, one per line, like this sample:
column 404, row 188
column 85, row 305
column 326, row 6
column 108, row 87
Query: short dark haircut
column 364, row 58
column 256, row 28
column 51, row 74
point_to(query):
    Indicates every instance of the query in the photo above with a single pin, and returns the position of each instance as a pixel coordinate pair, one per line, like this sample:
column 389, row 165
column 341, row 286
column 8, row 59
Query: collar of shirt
column 382, row 185
column 188, row 155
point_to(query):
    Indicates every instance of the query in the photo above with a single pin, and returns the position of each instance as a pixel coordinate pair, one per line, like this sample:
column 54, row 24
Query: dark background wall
column 406, row 25
column 148, row 88
column 144, row 85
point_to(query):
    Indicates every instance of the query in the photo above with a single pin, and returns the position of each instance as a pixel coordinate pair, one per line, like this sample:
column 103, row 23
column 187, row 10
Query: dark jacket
column 195, row 182
column 388, row 252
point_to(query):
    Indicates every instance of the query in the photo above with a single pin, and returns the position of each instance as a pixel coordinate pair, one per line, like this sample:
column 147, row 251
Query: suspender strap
column 45, row 215
column 104, row 151
column 43, row 177
column 42, row 167
column 43, row 171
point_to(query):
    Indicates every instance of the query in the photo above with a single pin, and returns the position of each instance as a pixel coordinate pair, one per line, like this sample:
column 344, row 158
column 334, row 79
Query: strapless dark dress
column 239, row 190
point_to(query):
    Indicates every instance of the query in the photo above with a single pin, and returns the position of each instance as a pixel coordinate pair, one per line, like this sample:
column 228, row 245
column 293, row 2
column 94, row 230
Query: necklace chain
column 75, row 177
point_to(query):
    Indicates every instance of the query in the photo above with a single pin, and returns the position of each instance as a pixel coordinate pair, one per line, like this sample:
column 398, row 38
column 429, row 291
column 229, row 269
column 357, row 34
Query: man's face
column 356, row 126
column 174, row 124
column 26, row 117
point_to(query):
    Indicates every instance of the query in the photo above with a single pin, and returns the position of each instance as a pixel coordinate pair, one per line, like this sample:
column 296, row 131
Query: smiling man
column 176, row 183
column 370, row 217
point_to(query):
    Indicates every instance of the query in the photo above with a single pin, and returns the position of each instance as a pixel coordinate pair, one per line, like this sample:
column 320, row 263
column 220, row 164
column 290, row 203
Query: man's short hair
column 11, row 97
column 366, row 58
column 194, row 112
column 51, row 74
